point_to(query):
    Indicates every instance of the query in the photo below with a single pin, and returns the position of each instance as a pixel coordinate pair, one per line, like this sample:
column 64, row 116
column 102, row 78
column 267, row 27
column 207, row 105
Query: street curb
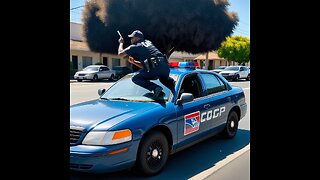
column 219, row 165
column 72, row 81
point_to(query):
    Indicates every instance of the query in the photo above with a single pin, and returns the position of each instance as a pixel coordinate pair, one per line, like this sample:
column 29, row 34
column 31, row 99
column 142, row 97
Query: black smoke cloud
column 193, row 26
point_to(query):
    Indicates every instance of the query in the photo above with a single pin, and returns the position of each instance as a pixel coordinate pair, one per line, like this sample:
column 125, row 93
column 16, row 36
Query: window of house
column 86, row 61
column 115, row 62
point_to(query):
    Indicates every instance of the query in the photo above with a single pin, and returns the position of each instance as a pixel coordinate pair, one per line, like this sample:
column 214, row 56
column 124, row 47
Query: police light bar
column 183, row 64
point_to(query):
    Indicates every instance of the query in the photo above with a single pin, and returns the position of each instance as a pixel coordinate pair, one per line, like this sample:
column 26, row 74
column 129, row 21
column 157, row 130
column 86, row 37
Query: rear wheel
column 248, row 77
column 152, row 154
column 231, row 126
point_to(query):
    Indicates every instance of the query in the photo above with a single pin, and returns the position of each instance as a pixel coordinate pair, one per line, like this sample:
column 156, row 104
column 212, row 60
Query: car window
column 213, row 83
column 242, row 68
column 232, row 68
column 191, row 84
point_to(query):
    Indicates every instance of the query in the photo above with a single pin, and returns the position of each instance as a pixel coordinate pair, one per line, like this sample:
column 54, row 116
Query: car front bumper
column 228, row 77
column 86, row 77
column 96, row 159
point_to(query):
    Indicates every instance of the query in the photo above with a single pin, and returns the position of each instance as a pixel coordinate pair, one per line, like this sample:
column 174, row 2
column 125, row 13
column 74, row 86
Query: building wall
column 96, row 58
column 75, row 31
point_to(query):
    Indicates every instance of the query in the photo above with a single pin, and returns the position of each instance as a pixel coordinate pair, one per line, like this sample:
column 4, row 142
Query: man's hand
column 121, row 40
column 131, row 60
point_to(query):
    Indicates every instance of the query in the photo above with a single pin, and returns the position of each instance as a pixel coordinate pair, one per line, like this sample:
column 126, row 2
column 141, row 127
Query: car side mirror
column 184, row 98
column 101, row 91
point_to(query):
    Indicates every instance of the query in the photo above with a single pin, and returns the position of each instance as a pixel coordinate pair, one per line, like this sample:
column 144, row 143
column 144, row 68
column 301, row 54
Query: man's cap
column 136, row 33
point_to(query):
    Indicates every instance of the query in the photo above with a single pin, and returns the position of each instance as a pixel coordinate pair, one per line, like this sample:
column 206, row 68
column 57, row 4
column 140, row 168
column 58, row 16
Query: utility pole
column 206, row 63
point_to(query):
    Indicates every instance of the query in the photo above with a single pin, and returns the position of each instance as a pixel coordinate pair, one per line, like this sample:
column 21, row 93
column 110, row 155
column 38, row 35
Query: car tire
column 248, row 77
column 112, row 77
column 95, row 78
column 236, row 78
column 231, row 127
column 79, row 80
column 152, row 154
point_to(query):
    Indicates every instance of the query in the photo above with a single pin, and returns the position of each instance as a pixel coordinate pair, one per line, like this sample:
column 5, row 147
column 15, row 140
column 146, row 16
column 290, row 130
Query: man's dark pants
column 142, row 78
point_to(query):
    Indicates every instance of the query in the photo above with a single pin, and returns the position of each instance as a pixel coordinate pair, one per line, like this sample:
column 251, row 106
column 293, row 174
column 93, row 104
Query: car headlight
column 107, row 137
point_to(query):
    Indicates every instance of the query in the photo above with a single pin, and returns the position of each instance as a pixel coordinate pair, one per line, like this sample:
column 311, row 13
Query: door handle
column 206, row 106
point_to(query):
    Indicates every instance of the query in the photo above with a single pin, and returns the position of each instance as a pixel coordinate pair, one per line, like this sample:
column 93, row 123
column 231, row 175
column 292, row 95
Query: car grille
column 82, row 74
column 225, row 74
column 75, row 133
column 80, row 166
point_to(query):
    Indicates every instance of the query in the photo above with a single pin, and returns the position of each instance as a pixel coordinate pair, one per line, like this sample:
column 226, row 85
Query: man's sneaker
column 157, row 91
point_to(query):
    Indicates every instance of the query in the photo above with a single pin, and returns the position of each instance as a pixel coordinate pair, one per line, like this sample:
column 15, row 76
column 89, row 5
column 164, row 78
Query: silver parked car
column 236, row 73
column 94, row 73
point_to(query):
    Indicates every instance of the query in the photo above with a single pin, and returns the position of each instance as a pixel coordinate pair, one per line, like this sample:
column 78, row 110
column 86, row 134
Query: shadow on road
column 186, row 163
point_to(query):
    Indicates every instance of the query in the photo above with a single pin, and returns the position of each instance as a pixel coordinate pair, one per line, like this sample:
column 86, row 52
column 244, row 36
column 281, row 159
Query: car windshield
column 127, row 90
column 91, row 69
column 221, row 67
column 232, row 69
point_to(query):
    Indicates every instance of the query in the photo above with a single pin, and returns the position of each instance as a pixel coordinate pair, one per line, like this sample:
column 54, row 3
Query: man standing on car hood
column 154, row 64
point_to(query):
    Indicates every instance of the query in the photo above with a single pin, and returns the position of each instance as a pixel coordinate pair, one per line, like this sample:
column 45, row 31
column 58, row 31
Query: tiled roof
column 78, row 45
column 212, row 55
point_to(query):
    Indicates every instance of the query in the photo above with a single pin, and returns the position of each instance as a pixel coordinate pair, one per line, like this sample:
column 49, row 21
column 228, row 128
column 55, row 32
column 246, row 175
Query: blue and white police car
column 126, row 128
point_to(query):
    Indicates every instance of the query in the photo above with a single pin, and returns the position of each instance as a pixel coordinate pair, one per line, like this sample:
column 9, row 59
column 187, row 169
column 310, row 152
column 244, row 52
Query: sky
column 241, row 7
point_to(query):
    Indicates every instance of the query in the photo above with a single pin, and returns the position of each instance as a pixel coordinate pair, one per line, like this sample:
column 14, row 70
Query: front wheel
column 95, row 78
column 231, row 126
column 236, row 78
column 152, row 154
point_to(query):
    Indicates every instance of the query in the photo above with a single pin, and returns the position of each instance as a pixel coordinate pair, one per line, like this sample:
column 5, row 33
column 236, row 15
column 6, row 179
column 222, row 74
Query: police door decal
column 191, row 122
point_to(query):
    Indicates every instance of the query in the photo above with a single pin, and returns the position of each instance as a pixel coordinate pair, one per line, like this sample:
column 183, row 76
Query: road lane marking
column 206, row 173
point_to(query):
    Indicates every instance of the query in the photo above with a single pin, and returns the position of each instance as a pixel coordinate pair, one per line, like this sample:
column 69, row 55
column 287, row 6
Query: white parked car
column 236, row 73
column 219, row 69
column 94, row 73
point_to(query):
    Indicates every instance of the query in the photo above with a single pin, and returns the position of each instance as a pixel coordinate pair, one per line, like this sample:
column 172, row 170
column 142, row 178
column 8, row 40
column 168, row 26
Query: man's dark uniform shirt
column 143, row 50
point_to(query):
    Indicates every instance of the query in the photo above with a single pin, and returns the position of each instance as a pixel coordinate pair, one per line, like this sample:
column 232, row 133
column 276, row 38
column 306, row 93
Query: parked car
column 127, row 127
column 94, row 73
column 236, row 73
column 121, row 71
column 219, row 69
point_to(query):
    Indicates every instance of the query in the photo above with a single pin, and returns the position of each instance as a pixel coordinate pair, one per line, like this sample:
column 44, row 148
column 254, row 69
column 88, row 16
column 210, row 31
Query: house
column 214, row 60
column 182, row 57
column 81, row 56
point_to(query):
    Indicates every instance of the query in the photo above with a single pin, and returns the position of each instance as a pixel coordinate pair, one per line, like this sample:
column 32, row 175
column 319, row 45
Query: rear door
column 218, row 103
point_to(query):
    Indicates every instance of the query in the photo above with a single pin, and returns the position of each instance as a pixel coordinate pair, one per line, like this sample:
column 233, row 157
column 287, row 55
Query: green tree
column 235, row 48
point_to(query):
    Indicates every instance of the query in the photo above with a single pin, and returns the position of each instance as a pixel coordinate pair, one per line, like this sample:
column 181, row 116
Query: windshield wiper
column 104, row 98
column 123, row 99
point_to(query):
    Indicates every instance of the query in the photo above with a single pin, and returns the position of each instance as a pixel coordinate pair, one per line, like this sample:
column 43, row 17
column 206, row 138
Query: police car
column 127, row 128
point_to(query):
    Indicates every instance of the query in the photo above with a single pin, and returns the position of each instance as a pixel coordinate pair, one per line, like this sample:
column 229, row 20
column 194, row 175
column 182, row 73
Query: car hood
column 229, row 71
column 86, row 72
column 90, row 114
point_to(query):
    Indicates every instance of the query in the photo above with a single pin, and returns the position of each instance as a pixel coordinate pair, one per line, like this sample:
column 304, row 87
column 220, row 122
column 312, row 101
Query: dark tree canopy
column 193, row 26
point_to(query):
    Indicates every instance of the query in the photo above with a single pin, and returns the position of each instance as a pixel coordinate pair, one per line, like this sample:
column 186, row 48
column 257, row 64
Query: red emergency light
column 183, row 64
